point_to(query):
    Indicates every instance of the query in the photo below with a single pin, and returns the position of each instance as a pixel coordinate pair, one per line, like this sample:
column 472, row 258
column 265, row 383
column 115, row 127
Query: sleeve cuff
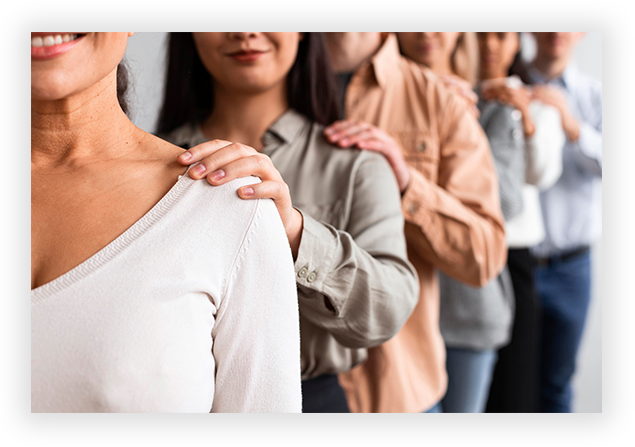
column 416, row 201
column 315, row 254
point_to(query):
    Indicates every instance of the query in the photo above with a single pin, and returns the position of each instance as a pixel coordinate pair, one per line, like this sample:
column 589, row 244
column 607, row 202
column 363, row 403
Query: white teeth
column 48, row 41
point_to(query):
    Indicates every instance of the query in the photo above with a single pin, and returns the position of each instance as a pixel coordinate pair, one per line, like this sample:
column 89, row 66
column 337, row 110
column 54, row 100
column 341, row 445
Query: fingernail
column 345, row 141
column 248, row 191
column 218, row 174
column 328, row 131
column 198, row 169
column 185, row 156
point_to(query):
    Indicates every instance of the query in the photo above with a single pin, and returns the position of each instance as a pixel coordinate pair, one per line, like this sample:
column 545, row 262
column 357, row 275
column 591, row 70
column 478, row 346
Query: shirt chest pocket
column 421, row 151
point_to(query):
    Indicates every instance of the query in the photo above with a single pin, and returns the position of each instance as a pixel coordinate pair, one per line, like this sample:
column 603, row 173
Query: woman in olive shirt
column 341, row 209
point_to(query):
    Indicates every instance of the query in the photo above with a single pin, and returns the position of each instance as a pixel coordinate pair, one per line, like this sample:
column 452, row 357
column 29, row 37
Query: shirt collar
column 385, row 60
column 287, row 127
column 284, row 130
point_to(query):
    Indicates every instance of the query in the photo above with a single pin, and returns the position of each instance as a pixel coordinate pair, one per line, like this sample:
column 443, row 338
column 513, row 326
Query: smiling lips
column 246, row 55
column 50, row 45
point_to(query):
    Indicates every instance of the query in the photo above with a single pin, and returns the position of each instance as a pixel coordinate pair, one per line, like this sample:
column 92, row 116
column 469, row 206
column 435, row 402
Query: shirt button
column 311, row 277
column 516, row 115
column 303, row 271
column 517, row 134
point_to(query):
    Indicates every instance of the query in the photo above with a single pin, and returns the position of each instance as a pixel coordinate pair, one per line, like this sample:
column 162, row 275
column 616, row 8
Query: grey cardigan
column 481, row 318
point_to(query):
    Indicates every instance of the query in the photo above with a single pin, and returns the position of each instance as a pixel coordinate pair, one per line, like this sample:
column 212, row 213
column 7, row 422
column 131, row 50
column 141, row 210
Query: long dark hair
column 518, row 67
column 189, row 93
column 122, row 86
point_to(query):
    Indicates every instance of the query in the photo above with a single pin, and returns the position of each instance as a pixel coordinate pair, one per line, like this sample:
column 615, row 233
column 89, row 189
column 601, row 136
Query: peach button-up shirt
column 453, row 220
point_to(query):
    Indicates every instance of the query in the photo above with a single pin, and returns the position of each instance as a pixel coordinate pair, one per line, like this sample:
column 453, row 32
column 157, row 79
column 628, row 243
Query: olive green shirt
column 356, row 286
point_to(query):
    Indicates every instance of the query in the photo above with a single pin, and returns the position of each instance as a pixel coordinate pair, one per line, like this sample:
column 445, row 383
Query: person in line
column 341, row 208
column 450, row 200
column 515, row 381
column 452, row 56
column 474, row 321
column 570, row 212
column 161, row 296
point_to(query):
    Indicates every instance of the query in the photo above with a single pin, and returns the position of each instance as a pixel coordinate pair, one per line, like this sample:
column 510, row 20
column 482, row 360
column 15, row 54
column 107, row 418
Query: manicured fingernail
column 345, row 141
column 329, row 131
column 185, row 156
column 248, row 191
column 198, row 169
column 218, row 174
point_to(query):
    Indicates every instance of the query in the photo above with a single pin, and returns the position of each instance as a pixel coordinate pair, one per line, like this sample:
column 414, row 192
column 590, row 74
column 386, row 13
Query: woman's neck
column 348, row 51
column 84, row 127
column 442, row 68
column 245, row 117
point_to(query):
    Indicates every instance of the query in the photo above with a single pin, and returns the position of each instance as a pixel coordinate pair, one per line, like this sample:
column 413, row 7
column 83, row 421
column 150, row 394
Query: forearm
column 363, row 297
column 464, row 240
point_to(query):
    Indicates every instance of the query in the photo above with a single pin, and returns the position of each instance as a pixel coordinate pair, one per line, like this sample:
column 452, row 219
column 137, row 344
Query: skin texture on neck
column 244, row 117
column 348, row 51
column 84, row 127
column 93, row 174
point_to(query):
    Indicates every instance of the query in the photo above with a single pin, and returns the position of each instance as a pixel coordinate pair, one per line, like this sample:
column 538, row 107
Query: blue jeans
column 469, row 378
column 565, row 291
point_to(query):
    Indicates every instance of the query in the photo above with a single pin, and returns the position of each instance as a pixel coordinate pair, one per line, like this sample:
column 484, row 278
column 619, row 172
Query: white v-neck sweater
column 192, row 309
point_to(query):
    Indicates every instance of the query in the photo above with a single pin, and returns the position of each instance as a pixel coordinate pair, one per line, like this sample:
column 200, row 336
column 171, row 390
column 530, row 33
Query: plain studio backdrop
column 146, row 61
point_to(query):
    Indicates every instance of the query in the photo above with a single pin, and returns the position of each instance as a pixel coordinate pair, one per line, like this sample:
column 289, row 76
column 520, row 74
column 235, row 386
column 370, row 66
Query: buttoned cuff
column 417, row 199
column 315, row 254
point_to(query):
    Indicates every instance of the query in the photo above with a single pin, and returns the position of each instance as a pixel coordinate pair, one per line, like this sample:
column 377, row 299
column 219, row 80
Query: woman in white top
column 167, row 295
column 514, row 384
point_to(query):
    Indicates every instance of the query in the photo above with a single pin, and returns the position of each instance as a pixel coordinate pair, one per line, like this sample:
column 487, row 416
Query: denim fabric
column 469, row 377
column 565, row 291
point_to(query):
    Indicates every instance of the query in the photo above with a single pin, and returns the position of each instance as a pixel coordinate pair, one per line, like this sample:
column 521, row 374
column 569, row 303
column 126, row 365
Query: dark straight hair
column 189, row 93
column 122, row 86
column 518, row 67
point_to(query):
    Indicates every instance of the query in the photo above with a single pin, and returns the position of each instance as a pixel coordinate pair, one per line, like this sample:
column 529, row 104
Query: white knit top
column 192, row 309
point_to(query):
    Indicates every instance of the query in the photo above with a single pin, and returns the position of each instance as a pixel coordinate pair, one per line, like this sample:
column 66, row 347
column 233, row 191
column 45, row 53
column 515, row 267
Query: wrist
column 571, row 128
column 528, row 126
column 404, row 181
column 400, row 169
column 294, row 232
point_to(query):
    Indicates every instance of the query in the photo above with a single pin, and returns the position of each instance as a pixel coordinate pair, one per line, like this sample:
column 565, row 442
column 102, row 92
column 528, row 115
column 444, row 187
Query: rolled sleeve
column 457, row 224
column 357, row 283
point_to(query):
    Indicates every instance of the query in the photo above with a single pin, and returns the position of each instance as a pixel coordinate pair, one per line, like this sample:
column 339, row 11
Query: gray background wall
column 146, row 60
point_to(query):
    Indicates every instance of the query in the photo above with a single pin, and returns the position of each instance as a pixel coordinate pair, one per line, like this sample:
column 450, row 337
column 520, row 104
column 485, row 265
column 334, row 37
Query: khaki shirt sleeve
column 457, row 224
column 358, row 284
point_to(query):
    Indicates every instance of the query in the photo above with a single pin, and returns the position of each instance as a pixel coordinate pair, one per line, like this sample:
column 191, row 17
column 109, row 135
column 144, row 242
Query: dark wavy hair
column 189, row 94
column 122, row 85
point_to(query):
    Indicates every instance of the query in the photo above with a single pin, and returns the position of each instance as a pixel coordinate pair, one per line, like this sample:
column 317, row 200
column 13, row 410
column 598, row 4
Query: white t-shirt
column 192, row 309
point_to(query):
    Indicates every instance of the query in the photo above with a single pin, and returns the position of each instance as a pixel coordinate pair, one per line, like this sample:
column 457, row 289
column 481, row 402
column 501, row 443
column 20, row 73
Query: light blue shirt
column 571, row 208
